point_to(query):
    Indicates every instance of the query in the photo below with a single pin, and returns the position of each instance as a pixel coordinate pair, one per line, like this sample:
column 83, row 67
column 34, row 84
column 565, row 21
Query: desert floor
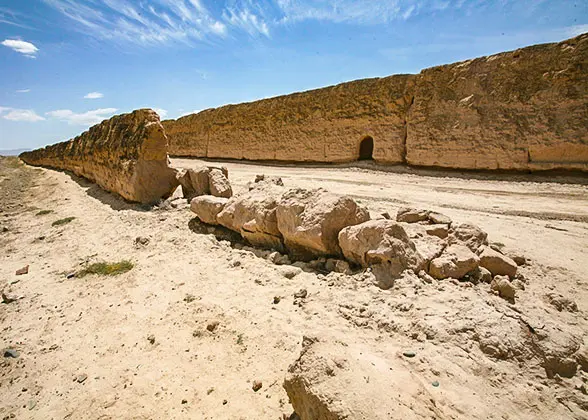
column 136, row 346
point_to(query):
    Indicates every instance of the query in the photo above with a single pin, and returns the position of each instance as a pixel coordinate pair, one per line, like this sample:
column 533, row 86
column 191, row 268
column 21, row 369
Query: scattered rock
column 31, row 404
column 21, row 271
column 218, row 183
column 184, row 401
column 439, row 219
column 278, row 259
column 277, row 299
column 517, row 257
column 189, row 298
column 497, row 263
column 479, row 275
column 409, row 354
column 468, row 234
column 310, row 221
column 301, row 294
column 435, row 384
column 11, row 353
column 151, row 338
column 141, row 241
column 561, row 303
column 8, row 297
column 504, row 287
column 411, row 215
column 276, row 180
column 81, row 378
column 438, row 230
column 290, row 272
column 212, row 326
column 382, row 244
column 207, row 208
column 70, row 276
column 456, row 261
column 257, row 385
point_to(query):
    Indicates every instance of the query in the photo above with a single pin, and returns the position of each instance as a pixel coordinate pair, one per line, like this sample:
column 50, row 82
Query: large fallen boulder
column 455, row 262
column 205, row 180
column 468, row 234
column 497, row 263
column 194, row 182
column 126, row 154
column 219, row 184
column 207, row 207
column 253, row 215
column 380, row 242
column 310, row 221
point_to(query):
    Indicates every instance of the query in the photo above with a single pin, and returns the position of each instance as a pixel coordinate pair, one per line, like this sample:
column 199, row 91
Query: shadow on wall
column 366, row 148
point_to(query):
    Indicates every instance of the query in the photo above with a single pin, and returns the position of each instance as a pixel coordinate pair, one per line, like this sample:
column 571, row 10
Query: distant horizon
column 69, row 65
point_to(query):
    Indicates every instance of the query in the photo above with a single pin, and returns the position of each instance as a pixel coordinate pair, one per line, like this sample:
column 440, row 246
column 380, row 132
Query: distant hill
column 13, row 152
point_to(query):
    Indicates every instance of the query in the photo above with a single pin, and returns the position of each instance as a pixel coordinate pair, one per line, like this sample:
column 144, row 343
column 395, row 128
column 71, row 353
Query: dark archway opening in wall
column 366, row 148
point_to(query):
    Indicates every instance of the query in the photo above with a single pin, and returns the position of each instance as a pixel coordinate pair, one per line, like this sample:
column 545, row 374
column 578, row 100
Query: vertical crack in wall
column 405, row 130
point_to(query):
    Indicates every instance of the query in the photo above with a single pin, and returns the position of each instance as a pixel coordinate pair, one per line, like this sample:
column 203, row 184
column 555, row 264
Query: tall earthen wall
column 522, row 110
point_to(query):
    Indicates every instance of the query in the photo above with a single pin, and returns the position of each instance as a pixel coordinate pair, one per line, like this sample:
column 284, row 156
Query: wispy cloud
column 26, row 48
column 86, row 118
column 246, row 20
column 94, row 95
column 23, row 90
column 576, row 30
column 15, row 114
column 161, row 112
column 144, row 23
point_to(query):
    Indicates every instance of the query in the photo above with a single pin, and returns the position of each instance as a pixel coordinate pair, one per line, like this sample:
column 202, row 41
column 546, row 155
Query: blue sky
column 67, row 64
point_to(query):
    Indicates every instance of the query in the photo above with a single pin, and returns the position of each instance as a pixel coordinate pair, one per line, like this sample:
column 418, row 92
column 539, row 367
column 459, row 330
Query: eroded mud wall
column 525, row 109
column 126, row 154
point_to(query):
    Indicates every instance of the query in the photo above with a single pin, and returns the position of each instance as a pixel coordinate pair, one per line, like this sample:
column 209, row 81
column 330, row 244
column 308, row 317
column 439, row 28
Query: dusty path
column 182, row 281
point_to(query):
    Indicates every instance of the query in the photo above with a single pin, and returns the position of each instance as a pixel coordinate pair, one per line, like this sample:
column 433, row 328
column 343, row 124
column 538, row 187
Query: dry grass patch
column 44, row 212
column 106, row 269
column 63, row 221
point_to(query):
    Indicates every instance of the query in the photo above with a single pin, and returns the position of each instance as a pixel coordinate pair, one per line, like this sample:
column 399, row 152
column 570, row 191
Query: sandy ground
column 184, row 280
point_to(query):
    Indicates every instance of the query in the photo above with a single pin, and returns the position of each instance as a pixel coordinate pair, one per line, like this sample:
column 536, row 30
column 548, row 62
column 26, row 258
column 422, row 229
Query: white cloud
column 15, row 114
column 161, row 112
column 143, row 23
column 576, row 30
column 86, row 118
column 94, row 95
column 196, row 111
column 23, row 47
column 246, row 20
column 23, row 90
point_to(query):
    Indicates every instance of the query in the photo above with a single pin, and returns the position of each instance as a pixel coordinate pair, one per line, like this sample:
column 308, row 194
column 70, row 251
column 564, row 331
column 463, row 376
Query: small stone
column 8, row 297
column 184, row 401
column 435, row 384
column 290, row 272
column 151, row 338
column 301, row 294
column 141, row 241
column 277, row 300
column 70, row 276
column 212, row 326
column 11, row 353
column 257, row 385
column 21, row 271
column 189, row 298
column 409, row 354
column 81, row 378
column 504, row 287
